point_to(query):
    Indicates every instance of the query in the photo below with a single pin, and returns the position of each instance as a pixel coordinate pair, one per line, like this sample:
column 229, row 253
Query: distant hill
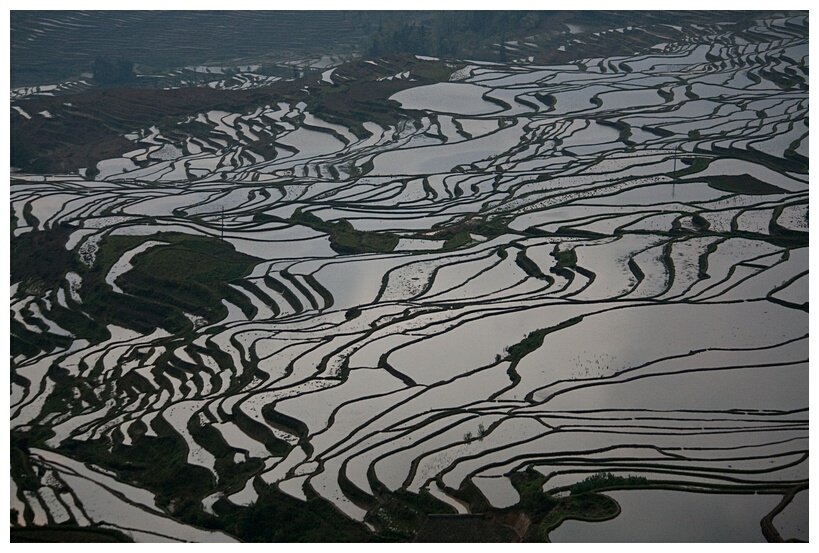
column 50, row 46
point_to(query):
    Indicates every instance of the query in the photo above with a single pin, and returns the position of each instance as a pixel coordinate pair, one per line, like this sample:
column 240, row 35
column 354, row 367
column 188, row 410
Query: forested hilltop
column 157, row 41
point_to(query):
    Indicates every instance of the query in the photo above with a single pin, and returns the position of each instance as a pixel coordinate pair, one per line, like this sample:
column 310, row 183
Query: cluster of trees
column 451, row 33
column 607, row 480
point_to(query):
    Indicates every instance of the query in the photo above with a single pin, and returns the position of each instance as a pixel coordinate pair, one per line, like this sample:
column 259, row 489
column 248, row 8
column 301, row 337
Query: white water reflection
column 454, row 98
column 436, row 159
column 673, row 516
column 404, row 365
column 792, row 522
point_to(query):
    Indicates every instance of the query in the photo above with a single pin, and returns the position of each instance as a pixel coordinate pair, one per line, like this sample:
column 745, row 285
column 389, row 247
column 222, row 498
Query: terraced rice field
column 545, row 271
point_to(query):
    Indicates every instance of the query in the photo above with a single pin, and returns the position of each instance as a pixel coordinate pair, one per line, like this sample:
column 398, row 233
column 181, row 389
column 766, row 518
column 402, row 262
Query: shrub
column 606, row 480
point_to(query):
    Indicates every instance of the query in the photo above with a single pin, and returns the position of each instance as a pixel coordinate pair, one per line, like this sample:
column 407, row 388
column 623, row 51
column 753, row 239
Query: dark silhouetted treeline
column 449, row 33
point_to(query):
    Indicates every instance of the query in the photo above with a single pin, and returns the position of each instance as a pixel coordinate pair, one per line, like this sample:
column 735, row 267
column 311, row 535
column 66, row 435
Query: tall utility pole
column 674, row 182
column 675, row 163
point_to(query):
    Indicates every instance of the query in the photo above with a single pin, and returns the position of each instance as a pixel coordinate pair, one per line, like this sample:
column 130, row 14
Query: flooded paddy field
column 575, row 293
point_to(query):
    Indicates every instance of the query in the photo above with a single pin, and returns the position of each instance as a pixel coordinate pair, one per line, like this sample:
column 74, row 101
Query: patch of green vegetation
column 565, row 258
column 67, row 534
column 471, row 495
column 455, row 240
column 547, row 512
column 286, row 293
column 790, row 238
column 23, row 345
column 492, row 228
column 288, row 424
column 668, row 263
column 604, row 480
column 784, row 81
column 497, row 101
column 344, row 238
column 470, row 528
column 278, row 517
column 700, row 222
column 190, row 274
column 295, row 283
column 529, row 344
column 400, row 514
column 635, row 270
column 792, row 154
column 353, row 492
column 533, row 500
column 659, row 131
column 158, row 464
column 193, row 260
column 534, row 340
column 462, row 131
column 263, row 297
column 29, row 342
column 459, row 234
column 622, row 127
column 769, row 530
column 21, row 470
column 742, row 184
column 690, row 94
column 590, row 507
column 361, row 97
column 666, row 95
column 40, row 258
column 549, row 100
column 530, row 267
column 788, row 164
column 692, row 165
column 62, row 399
column 79, row 325
column 195, row 128
column 571, row 231
column 29, row 217
column 232, row 475
column 260, row 433
column 702, row 272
